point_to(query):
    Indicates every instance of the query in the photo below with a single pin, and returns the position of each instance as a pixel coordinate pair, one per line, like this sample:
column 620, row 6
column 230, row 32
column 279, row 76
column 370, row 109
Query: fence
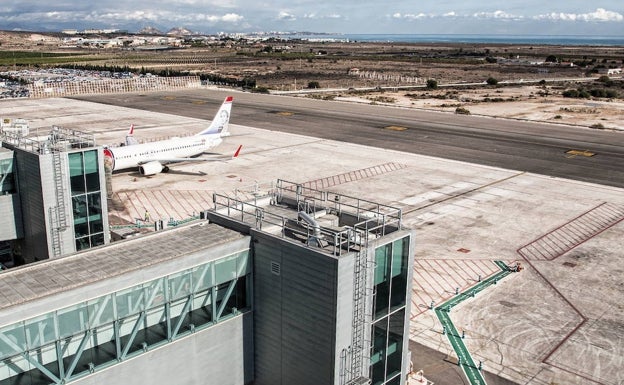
column 106, row 86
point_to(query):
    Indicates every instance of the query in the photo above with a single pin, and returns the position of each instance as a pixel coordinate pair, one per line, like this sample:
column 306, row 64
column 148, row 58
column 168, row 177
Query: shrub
column 462, row 111
column 314, row 84
column 491, row 81
column 432, row 84
column 260, row 90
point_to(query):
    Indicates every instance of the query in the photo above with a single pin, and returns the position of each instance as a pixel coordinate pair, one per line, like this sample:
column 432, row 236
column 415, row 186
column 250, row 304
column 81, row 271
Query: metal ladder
column 58, row 218
column 60, row 191
column 358, row 340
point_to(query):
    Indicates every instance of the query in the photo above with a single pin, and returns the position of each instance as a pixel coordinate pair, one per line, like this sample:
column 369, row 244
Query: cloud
column 497, row 15
column 601, row 15
column 321, row 17
column 283, row 15
column 410, row 16
column 232, row 18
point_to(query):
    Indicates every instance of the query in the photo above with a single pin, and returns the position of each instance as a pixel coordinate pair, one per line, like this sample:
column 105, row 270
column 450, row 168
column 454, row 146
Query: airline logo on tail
column 219, row 125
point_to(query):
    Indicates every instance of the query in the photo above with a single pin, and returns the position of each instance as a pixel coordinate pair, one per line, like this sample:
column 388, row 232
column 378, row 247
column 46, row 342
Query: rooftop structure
column 56, row 203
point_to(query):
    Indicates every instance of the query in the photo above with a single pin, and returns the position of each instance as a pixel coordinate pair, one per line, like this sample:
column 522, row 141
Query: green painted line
column 472, row 372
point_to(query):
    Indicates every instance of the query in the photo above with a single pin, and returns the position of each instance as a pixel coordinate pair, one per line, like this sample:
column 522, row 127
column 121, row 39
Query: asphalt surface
column 518, row 145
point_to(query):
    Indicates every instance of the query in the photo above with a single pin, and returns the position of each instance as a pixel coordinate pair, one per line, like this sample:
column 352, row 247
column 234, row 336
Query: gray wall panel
column 35, row 245
column 213, row 356
column 294, row 313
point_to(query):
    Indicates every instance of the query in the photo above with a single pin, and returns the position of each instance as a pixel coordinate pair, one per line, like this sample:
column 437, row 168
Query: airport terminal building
column 289, row 286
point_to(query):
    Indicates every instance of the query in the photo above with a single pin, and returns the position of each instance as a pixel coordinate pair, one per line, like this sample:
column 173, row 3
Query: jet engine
column 151, row 168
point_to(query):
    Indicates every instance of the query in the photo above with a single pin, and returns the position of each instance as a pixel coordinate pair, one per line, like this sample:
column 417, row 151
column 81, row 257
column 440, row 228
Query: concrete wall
column 219, row 355
column 294, row 313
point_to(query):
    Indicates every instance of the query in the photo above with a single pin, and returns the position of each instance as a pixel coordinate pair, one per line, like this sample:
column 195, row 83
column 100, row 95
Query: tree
column 606, row 80
column 432, row 84
column 551, row 59
column 491, row 81
column 314, row 84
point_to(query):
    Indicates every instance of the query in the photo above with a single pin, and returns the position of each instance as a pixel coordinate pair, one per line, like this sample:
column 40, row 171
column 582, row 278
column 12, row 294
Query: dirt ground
column 523, row 103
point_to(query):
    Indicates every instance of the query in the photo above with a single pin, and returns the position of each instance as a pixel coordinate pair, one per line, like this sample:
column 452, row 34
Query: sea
column 569, row 40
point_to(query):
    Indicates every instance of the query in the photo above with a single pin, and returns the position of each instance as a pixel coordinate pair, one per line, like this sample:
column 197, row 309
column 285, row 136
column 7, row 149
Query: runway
column 577, row 153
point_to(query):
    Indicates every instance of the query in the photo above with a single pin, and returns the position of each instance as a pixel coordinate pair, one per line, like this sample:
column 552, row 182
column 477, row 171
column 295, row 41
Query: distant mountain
column 150, row 31
column 179, row 31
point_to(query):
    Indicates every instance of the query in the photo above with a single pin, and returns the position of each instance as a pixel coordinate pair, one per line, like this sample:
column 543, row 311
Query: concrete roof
column 54, row 276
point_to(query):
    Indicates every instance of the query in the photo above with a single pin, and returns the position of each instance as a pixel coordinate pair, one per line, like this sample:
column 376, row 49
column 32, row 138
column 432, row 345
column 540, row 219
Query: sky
column 511, row 17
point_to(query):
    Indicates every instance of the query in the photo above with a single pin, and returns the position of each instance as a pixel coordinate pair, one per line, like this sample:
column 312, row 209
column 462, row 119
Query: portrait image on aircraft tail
column 153, row 157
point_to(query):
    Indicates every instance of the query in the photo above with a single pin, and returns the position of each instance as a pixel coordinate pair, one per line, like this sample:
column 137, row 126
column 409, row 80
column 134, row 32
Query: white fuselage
column 163, row 152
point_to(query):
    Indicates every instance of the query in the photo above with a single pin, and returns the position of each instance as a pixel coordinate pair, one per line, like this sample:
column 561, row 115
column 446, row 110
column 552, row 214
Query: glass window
column 79, row 207
column 40, row 331
column 202, row 277
column 400, row 248
column 381, row 264
column 97, row 240
column 243, row 265
column 395, row 343
column 82, row 243
column 101, row 310
column 92, row 177
column 400, row 259
column 382, row 284
column 155, row 293
column 180, row 284
column 130, row 301
column 76, row 173
column 94, row 210
column 7, row 178
column 225, row 269
column 73, row 320
column 12, row 340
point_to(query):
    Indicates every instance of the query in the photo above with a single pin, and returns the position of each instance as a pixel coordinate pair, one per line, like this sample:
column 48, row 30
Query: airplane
column 152, row 158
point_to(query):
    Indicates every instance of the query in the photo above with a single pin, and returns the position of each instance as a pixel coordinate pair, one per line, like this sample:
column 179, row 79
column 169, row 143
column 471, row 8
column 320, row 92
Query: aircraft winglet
column 238, row 150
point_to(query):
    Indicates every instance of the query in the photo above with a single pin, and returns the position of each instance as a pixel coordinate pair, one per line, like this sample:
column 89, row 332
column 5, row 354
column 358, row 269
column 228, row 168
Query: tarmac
column 558, row 321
